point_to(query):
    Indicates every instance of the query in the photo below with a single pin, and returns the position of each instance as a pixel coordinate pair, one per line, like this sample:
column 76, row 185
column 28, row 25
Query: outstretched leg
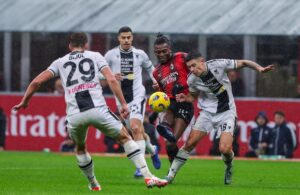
column 137, row 157
column 184, row 153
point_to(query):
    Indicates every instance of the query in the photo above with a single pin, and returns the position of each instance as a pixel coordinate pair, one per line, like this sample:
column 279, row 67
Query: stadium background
column 34, row 33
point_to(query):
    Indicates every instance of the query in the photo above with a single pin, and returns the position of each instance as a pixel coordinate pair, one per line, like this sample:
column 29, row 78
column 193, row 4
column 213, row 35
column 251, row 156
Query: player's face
column 196, row 66
column 125, row 40
column 162, row 52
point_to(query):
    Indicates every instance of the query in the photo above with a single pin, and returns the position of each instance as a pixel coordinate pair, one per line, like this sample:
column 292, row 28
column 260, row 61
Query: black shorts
column 184, row 110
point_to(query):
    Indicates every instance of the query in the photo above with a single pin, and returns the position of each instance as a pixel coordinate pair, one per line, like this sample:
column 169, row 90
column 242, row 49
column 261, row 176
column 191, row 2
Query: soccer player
column 126, row 62
column 79, row 72
column 171, row 75
column 209, row 79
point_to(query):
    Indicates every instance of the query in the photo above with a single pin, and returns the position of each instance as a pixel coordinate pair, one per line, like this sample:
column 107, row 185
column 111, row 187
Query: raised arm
column 254, row 66
column 33, row 87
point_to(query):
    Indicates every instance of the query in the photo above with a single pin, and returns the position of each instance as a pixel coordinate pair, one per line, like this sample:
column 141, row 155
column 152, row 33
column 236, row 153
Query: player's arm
column 33, row 87
column 116, row 89
column 149, row 68
column 156, row 85
column 190, row 97
column 254, row 66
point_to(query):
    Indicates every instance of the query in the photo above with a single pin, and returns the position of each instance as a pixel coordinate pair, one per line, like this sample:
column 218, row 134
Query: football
column 159, row 102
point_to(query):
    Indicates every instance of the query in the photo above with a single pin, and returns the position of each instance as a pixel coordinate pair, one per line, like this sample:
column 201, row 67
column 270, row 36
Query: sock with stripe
column 137, row 157
column 227, row 158
column 141, row 144
column 178, row 162
column 86, row 165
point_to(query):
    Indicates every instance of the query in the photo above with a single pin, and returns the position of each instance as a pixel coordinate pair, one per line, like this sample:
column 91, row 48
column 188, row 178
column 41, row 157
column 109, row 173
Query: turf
column 54, row 173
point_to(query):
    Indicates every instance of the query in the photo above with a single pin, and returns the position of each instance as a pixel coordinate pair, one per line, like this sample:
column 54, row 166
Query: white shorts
column 137, row 109
column 222, row 122
column 100, row 117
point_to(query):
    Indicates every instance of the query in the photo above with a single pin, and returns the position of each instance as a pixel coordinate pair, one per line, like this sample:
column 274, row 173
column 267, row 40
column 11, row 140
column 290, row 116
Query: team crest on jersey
column 118, row 56
column 137, row 56
column 216, row 71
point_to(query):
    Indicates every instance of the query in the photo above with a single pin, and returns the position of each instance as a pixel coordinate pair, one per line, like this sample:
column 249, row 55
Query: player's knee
column 135, row 129
column 225, row 148
column 171, row 146
column 123, row 136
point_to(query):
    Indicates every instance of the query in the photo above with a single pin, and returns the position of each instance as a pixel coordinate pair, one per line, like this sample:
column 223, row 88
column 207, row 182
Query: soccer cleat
column 138, row 173
column 154, row 181
column 155, row 159
column 228, row 174
column 166, row 133
column 94, row 186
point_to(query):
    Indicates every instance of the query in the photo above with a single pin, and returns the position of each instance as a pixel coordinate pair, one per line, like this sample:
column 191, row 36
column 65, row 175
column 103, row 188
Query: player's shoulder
column 180, row 54
column 191, row 78
column 138, row 51
column 113, row 51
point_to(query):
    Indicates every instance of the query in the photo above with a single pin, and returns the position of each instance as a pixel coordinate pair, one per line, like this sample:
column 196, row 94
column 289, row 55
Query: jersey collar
column 127, row 51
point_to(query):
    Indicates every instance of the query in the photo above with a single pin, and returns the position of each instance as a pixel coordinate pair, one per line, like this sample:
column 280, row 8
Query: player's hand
column 19, row 106
column 267, row 68
column 180, row 97
column 124, row 112
column 119, row 76
column 155, row 86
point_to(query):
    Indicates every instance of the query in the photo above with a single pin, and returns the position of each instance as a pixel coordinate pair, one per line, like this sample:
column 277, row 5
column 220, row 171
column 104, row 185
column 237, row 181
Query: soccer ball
column 159, row 102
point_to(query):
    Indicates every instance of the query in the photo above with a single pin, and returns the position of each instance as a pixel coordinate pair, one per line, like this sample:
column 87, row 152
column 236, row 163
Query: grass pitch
column 54, row 173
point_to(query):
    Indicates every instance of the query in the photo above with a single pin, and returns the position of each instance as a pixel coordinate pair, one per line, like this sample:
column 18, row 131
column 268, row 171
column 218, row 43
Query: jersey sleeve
column 147, row 64
column 229, row 64
column 101, row 61
column 54, row 67
column 192, row 87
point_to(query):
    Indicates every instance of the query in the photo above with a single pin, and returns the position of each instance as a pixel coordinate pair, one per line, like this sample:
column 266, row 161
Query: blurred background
column 34, row 33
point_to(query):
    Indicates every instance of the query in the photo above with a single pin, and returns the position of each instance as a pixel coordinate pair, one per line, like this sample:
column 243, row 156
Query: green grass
column 52, row 173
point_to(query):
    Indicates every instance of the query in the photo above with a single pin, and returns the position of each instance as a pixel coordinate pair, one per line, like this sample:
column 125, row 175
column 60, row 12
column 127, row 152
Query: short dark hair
column 78, row 39
column 161, row 39
column 193, row 55
column 278, row 112
column 125, row 29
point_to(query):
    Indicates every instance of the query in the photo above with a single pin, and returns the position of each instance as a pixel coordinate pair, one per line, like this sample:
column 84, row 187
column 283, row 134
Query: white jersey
column 214, row 87
column 79, row 72
column 130, row 64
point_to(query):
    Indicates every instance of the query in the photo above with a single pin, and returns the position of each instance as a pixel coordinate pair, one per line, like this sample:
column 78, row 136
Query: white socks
column 141, row 145
column 137, row 157
column 150, row 148
column 178, row 162
column 86, row 165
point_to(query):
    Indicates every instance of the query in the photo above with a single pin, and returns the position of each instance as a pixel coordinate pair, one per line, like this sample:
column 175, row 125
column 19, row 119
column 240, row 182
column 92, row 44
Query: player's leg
column 183, row 116
column 137, row 113
column 227, row 126
column 138, row 136
column 171, row 147
column 184, row 153
column 227, row 154
column 77, row 131
column 153, row 150
column 111, row 126
column 137, row 157
column 165, row 127
column 201, row 127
